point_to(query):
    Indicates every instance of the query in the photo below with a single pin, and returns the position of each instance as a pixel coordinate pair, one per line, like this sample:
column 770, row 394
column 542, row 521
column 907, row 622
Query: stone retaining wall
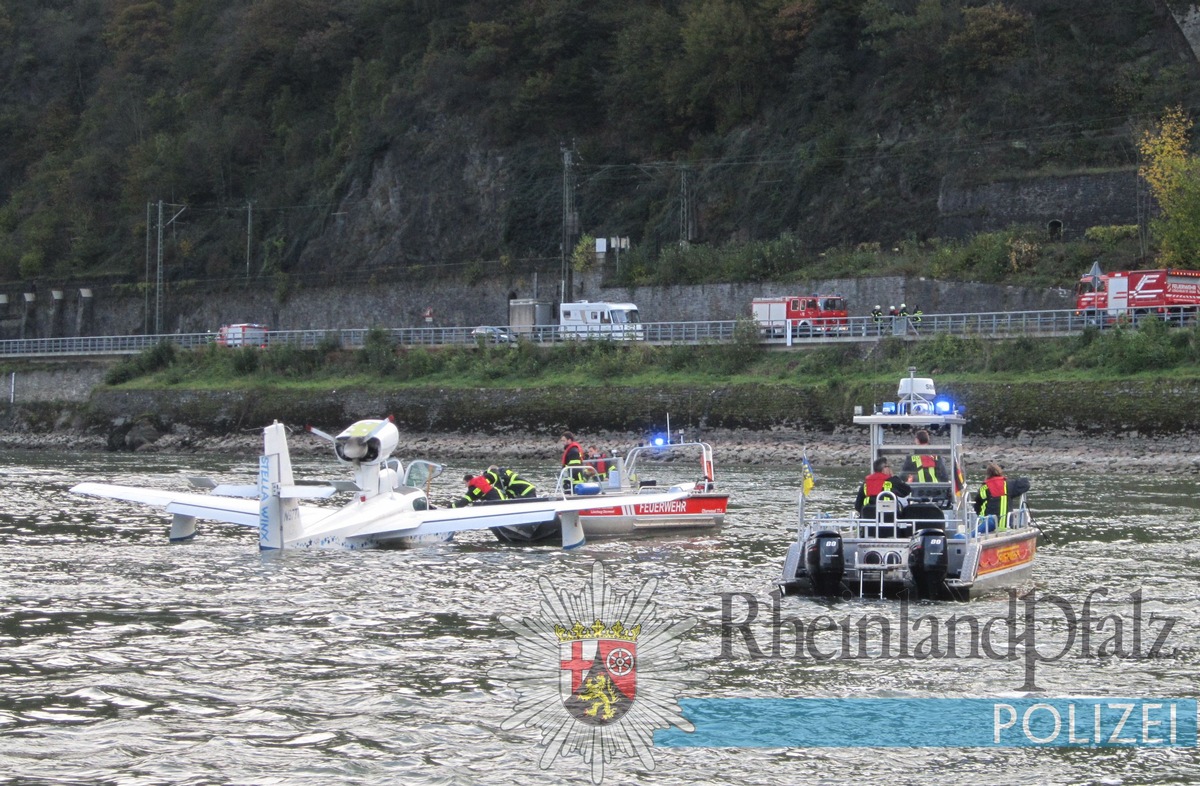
column 455, row 304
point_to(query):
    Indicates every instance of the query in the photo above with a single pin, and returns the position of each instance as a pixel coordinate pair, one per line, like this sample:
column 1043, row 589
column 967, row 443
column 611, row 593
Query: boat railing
column 607, row 476
column 902, row 521
column 608, row 471
column 580, row 480
column 673, row 453
column 984, row 526
column 1020, row 518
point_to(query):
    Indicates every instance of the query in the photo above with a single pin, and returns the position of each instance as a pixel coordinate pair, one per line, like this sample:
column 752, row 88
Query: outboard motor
column 825, row 563
column 928, row 562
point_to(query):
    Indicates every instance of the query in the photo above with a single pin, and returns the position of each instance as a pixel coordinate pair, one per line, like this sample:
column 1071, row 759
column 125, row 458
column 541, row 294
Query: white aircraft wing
column 472, row 517
column 203, row 506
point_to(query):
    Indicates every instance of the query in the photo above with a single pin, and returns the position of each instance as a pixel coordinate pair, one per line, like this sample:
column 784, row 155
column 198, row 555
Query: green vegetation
column 295, row 140
column 1094, row 355
column 1020, row 256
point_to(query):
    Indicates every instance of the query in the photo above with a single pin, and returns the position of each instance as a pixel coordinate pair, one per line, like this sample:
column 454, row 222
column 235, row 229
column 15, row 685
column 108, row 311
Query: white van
column 246, row 334
column 619, row 321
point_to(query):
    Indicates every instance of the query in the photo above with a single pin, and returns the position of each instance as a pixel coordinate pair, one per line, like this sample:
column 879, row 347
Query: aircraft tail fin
column 278, row 516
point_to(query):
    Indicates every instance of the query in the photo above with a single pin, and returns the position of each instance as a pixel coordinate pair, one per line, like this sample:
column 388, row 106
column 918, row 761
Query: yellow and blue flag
column 808, row 481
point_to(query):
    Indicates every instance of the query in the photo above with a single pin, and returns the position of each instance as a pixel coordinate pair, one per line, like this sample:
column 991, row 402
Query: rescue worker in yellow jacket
column 877, row 482
column 992, row 501
column 923, row 467
column 513, row 485
column 479, row 489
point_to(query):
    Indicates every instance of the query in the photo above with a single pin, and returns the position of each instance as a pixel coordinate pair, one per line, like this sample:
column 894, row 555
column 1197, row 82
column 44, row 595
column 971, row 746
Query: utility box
column 527, row 313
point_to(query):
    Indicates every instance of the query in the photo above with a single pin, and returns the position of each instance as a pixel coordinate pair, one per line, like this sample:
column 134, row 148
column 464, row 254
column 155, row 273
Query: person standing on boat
column 992, row 499
column 572, row 451
column 596, row 461
column 572, row 458
column 877, row 482
column 513, row 485
column 923, row 468
column 478, row 490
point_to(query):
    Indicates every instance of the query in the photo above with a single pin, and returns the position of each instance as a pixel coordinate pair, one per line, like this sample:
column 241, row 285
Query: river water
column 125, row 659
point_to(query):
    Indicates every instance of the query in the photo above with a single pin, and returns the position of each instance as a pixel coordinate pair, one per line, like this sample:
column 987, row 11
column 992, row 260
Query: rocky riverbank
column 1135, row 425
column 1025, row 453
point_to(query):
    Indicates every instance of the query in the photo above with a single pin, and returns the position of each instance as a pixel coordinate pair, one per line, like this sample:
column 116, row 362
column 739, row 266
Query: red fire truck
column 244, row 334
column 1171, row 294
column 805, row 314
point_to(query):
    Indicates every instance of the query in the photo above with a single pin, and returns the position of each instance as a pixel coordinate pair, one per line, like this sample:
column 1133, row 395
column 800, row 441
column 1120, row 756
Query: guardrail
column 988, row 325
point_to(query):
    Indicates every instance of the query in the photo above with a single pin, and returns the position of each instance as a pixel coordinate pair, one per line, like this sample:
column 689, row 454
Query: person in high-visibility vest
column 877, row 482
column 597, row 463
column 877, row 318
column 572, row 451
column 992, row 499
column 922, row 467
column 573, row 457
column 478, row 490
column 513, row 485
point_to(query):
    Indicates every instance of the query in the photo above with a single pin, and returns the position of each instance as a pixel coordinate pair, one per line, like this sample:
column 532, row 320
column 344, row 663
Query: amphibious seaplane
column 390, row 508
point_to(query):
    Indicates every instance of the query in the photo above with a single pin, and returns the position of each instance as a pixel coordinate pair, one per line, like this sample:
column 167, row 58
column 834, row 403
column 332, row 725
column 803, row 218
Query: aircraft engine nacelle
column 367, row 442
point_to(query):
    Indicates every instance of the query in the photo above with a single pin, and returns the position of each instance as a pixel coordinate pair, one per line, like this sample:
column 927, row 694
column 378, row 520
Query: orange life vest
column 578, row 459
column 480, row 484
column 875, row 483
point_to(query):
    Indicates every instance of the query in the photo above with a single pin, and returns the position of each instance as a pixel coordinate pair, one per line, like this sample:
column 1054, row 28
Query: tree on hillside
column 1173, row 175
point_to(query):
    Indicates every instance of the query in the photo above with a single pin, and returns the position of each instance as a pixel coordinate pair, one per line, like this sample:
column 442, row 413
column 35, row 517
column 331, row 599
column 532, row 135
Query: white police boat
column 931, row 544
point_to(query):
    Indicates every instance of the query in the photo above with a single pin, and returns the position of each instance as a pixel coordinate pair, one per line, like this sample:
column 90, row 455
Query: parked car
column 493, row 335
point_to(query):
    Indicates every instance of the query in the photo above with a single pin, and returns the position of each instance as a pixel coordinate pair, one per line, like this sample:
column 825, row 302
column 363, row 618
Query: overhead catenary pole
column 249, row 234
column 685, row 209
column 158, row 279
column 569, row 220
column 146, row 292
column 158, row 285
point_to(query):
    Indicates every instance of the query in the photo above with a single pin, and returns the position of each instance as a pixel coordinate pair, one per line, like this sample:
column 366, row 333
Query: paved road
column 997, row 325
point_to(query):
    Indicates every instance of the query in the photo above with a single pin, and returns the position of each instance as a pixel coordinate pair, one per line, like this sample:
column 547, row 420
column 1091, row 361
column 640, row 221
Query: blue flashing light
column 658, row 440
column 889, row 407
column 943, row 406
